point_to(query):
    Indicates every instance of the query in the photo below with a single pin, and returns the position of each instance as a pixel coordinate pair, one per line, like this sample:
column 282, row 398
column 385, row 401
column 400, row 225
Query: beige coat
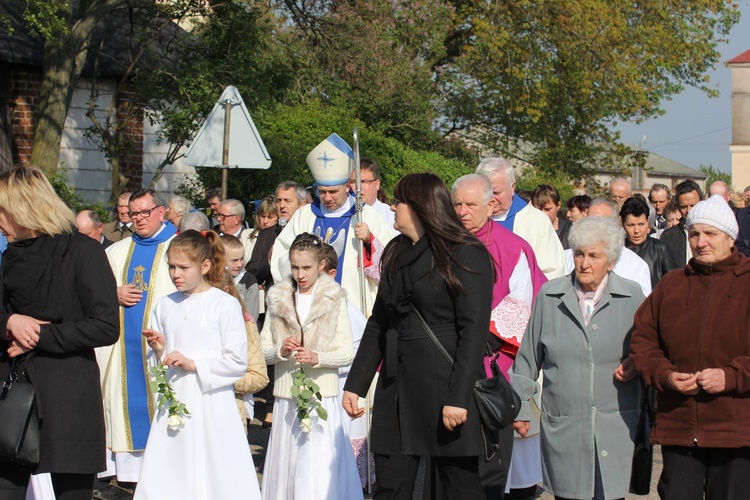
column 256, row 377
column 327, row 332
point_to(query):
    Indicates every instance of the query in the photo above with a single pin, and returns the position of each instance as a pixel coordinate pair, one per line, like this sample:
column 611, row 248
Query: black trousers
column 494, row 465
column 722, row 473
column 396, row 475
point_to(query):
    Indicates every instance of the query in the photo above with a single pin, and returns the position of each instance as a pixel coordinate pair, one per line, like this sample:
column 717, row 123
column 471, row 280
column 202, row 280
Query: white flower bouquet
column 176, row 408
column 307, row 393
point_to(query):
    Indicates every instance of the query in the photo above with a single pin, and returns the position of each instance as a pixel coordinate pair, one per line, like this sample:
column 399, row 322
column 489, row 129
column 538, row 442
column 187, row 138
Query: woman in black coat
column 59, row 303
column 423, row 407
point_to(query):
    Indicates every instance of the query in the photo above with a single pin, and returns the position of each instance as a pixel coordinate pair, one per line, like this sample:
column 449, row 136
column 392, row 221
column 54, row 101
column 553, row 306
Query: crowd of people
column 151, row 341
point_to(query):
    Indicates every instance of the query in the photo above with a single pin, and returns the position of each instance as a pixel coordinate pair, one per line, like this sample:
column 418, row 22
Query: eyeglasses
column 366, row 182
column 224, row 216
column 143, row 213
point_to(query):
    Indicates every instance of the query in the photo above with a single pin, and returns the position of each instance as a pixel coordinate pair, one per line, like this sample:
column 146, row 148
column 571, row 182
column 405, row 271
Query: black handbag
column 19, row 432
column 497, row 402
column 643, row 453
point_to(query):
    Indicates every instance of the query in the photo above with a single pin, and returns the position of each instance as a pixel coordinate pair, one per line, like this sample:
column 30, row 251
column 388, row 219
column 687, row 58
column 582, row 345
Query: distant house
column 740, row 147
column 657, row 168
column 21, row 58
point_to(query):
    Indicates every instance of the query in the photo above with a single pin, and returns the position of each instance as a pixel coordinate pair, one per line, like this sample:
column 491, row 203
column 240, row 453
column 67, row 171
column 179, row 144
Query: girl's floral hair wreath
column 306, row 240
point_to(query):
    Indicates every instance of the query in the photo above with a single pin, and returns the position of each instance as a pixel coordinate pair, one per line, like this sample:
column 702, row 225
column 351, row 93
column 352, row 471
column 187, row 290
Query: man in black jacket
column 657, row 254
column 743, row 239
column 687, row 194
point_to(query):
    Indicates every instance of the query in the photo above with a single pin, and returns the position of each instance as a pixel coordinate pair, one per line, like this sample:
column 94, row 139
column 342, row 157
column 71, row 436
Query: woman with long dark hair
column 423, row 407
column 59, row 302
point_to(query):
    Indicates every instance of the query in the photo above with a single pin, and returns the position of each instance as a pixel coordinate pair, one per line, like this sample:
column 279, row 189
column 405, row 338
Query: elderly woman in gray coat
column 579, row 332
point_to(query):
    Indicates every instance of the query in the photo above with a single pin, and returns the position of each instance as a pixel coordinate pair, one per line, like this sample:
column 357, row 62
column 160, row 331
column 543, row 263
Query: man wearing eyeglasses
column 231, row 217
column 140, row 267
column 370, row 178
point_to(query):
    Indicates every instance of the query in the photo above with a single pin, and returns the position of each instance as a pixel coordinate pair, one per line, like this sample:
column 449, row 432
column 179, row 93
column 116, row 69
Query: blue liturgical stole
column 515, row 207
column 334, row 231
column 141, row 272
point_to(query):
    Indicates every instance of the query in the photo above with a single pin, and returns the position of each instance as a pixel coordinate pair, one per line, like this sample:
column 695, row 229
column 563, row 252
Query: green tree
column 144, row 52
column 291, row 131
column 558, row 75
column 227, row 46
column 232, row 46
column 67, row 192
column 375, row 58
column 66, row 26
column 715, row 175
column 530, row 178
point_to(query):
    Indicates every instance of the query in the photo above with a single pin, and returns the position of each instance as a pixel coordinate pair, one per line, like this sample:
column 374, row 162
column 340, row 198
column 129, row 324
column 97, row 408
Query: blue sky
column 696, row 130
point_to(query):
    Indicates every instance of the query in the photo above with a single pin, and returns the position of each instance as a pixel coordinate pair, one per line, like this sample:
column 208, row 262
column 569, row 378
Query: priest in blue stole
column 516, row 215
column 140, row 267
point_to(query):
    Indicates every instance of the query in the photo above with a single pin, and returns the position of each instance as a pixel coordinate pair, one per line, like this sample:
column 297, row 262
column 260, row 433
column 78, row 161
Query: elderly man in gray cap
column 691, row 344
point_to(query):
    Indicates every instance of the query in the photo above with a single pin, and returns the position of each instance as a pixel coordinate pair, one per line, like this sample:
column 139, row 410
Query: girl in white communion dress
column 307, row 329
column 198, row 334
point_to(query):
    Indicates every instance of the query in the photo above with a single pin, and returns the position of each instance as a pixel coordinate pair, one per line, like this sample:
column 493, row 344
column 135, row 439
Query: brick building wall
column 88, row 170
column 25, row 82
column 86, row 166
column 131, row 163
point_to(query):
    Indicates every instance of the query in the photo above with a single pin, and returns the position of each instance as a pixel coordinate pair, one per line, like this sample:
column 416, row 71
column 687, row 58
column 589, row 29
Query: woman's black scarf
column 32, row 272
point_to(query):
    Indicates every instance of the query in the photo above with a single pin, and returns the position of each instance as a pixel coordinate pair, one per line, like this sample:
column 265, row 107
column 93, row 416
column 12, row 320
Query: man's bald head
column 603, row 207
column 720, row 188
column 90, row 224
column 619, row 190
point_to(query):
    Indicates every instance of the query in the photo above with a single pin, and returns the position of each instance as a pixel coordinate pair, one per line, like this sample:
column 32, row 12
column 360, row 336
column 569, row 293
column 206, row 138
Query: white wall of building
column 88, row 170
column 153, row 154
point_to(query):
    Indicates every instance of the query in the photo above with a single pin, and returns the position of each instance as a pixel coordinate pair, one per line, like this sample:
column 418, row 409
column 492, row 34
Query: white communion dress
column 318, row 464
column 209, row 456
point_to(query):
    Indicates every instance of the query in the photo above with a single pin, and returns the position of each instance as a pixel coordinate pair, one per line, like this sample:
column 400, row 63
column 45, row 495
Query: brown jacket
column 698, row 318
column 256, row 377
column 112, row 231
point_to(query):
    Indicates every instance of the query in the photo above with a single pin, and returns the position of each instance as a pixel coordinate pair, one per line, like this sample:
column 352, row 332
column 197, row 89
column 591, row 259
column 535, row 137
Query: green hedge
column 291, row 132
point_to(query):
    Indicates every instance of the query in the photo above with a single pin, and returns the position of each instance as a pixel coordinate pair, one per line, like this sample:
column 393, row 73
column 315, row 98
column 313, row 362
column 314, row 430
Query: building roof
column 120, row 27
column 655, row 164
column 659, row 165
column 742, row 58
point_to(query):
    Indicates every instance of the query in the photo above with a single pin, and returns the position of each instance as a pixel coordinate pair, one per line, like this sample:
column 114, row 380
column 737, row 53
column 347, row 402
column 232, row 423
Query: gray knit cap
column 715, row 212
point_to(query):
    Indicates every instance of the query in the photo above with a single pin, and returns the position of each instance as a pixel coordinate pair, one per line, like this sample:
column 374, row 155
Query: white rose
column 175, row 422
column 305, row 424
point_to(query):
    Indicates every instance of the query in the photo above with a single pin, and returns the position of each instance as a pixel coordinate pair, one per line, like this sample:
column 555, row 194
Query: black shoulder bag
column 19, row 432
column 497, row 402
